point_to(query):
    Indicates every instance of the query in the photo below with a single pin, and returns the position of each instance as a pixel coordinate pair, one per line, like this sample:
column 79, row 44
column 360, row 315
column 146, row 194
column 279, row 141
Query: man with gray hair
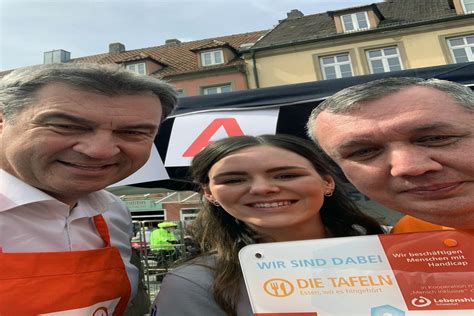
column 67, row 131
column 407, row 143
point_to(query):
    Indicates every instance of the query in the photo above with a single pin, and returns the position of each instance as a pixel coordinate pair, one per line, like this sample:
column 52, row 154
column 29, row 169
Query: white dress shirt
column 33, row 221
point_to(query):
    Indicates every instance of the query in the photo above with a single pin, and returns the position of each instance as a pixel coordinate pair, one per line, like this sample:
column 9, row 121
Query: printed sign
column 191, row 133
column 143, row 205
column 424, row 274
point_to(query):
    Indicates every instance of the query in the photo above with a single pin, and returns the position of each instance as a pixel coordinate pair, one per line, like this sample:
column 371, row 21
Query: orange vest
column 88, row 282
column 409, row 224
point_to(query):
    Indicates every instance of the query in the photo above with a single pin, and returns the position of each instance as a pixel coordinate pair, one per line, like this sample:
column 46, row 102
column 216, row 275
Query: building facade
column 199, row 67
column 387, row 36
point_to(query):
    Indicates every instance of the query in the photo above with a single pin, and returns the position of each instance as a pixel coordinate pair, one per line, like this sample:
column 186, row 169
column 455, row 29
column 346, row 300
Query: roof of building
column 322, row 25
column 210, row 44
column 178, row 57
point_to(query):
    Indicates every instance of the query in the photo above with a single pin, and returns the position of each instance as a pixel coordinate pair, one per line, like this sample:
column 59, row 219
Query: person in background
column 164, row 246
column 163, row 238
column 163, row 242
column 269, row 188
column 67, row 131
column 407, row 143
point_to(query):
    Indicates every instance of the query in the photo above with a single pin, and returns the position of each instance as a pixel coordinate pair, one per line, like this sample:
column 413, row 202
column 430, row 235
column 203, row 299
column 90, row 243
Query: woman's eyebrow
column 242, row 173
column 230, row 173
column 285, row 168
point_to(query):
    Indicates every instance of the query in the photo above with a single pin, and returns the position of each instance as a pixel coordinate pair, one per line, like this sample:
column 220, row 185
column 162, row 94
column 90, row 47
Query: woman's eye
column 231, row 181
column 288, row 176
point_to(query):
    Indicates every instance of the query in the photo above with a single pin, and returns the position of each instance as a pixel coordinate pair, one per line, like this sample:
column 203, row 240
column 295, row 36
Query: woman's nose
column 263, row 186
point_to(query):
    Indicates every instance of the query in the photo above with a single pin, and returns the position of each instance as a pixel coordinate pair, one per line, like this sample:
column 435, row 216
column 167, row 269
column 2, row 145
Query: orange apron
column 75, row 283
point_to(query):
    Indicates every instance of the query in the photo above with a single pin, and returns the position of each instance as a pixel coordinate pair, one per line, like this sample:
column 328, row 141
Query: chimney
column 116, row 48
column 56, row 56
column 294, row 14
column 172, row 41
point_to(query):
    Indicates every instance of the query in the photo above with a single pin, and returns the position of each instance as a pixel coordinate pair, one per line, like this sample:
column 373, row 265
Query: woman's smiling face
column 270, row 189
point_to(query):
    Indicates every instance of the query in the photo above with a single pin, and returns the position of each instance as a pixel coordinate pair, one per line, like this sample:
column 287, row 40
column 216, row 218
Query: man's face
column 412, row 151
column 72, row 142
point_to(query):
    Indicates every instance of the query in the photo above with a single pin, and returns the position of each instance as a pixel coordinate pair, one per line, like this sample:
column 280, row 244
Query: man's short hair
column 18, row 89
column 347, row 99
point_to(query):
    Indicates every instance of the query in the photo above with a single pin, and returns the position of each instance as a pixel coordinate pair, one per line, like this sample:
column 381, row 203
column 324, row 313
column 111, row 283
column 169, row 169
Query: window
column 214, row 57
column 462, row 48
column 355, row 21
column 468, row 6
column 384, row 60
column 180, row 93
column 138, row 68
column 337, row 66
column 188, row 214
column 217, row 89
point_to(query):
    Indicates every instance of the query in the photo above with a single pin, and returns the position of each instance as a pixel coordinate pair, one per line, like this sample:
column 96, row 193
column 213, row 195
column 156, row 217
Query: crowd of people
column 67, row 131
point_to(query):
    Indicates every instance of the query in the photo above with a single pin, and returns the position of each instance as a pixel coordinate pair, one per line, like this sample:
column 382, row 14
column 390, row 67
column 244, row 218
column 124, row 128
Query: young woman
column 268, row 188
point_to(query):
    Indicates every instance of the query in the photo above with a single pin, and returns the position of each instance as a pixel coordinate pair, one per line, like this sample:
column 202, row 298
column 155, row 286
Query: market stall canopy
column 282, row 109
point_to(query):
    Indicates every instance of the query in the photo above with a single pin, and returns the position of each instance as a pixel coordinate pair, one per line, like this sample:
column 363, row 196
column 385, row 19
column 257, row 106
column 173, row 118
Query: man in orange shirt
column 407, row 143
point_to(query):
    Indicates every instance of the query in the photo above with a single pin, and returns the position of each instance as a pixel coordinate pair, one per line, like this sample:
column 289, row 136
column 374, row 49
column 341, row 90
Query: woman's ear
column 330, row 184
column 207, row 194
column 209, row 197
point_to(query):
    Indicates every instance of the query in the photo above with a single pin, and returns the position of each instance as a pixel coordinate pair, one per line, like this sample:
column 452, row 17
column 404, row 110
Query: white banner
column 193, row 132
column 153, row 170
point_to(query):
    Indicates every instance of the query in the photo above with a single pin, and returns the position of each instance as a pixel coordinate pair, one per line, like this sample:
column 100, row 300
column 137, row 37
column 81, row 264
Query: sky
column 28, row 28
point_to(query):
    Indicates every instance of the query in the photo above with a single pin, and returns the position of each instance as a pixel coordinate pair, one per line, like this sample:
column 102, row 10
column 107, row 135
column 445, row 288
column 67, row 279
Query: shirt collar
column 14, row 192
column 96, row 203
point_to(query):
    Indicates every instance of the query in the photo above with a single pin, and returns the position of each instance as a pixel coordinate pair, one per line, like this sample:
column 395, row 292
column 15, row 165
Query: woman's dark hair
column 220, row 234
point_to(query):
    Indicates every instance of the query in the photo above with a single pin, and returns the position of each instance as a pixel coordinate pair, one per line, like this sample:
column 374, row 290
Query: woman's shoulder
column 196, row 270
column 187, row 290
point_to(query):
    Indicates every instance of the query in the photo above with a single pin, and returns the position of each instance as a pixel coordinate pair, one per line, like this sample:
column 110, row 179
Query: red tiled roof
column 393, row 13
column 210, row 44
column 178, row 58
column 140, row 56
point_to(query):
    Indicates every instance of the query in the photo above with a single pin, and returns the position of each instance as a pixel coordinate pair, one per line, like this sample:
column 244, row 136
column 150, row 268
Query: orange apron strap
column 102, row 229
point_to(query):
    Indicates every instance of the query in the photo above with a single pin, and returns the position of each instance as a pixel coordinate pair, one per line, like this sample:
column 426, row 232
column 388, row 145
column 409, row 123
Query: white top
column 33, row 221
